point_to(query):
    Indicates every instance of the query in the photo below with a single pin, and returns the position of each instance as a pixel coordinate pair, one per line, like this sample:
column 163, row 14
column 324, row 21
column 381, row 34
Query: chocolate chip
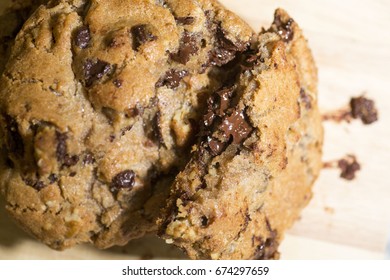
column 157, row 131
column 123, row 180
column 305, row 98
column 53, row 178
column 185, row 20
column 285, row 30
column 118, row 83
column 236, row 126
column 72, row 174
column 225, row 95
column 220, row 57
column 36, row 184
column 204, row 221
column 172, row 78
column 225, row 49
column 94, row 71
column 83, row 37
column 62, row 148
column 141, row 35
column 69, row 161
column 188, row 46
column 250, row 61
column 364, row 109
column 348, row 166
column 215, row 146
column 217, row 104
column 88, row 158
column 13, row 138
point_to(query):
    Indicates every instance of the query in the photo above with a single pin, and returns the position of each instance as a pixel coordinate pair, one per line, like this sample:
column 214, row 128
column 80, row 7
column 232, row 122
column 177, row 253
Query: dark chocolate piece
column 364, row 109
column 62, row 148
column 123, row 180
column 236, row 126
column 72, row 174
column 225, row 49
column 185, row 20
column 284, row 29
column 348, row 166
column 204, row 221
column 215, row 146
column 172, row 78
column 83, row 37
column 188, row 47
column 141, row 35
column 95, row 70
column 157, row 129
column 36, row 184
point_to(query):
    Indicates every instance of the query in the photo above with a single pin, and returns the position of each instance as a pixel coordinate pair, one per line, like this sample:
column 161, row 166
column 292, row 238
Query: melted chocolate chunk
column 305, row 98
column 94, row 71
column 188, row 47
column 185, row 20
column 118, row 83
column 348, row 166
column 141, row 35
column 364, row 109
column 70, row 160
column 215, row 146
column 225, row 95
column 62, row 148
column 13, row 138
column 225, row 49
column 218, row 104
column 83, row 37
column 123, row 180
column 284, row 29
column 236, row 126
column 172, row 78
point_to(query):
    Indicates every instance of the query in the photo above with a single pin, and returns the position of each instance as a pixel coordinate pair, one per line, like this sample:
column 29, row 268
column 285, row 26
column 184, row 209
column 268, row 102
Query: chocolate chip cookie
column 257, row 157
column 99, row 107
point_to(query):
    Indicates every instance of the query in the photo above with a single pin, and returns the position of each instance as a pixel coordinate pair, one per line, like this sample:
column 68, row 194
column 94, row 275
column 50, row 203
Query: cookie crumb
column 359, row 108
column 348, row 166
column 364, row 109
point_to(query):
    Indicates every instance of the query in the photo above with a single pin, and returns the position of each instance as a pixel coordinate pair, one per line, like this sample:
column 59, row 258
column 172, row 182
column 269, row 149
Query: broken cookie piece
column 257, row 157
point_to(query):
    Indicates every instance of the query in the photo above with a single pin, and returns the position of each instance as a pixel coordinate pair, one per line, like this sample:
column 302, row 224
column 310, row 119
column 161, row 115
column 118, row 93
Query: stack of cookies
column 123, row 118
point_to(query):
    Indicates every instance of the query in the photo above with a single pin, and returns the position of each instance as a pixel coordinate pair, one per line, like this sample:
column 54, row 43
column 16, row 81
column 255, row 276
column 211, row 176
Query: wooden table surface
column 346, row 219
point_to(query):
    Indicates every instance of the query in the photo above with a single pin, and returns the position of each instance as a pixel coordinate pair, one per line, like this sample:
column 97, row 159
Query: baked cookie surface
column 97, row 112
column 257, row 157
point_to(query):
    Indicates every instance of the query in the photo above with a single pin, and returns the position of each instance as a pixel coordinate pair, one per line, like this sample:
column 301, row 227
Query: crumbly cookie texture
column 258, row 155
column 98, row 110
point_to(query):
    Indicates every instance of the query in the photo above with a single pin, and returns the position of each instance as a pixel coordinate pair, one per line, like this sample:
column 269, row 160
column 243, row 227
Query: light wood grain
column 351, row 44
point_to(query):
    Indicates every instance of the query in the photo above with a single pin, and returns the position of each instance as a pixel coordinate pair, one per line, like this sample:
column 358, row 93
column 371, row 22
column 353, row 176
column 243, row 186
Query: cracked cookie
column 257, row 157
column 99, row 110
